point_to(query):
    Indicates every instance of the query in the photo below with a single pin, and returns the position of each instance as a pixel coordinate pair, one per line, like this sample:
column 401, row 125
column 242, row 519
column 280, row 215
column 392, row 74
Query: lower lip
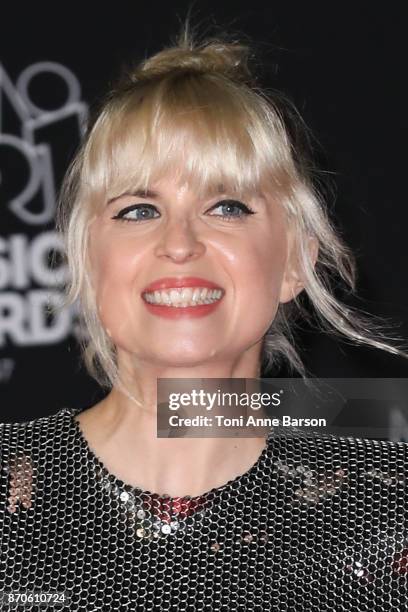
column 172, row 312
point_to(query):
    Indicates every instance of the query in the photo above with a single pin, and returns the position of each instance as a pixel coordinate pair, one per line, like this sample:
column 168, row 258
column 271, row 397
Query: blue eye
column 143, row 209
column 230, row 205
column 144, row 212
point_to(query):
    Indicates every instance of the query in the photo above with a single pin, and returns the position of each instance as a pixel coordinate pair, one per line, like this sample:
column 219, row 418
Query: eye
column 142, row 213
column 230, row 205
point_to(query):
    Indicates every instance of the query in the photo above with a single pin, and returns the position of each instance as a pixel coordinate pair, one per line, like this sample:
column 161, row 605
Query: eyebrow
column 149, row 193
column 140, row 193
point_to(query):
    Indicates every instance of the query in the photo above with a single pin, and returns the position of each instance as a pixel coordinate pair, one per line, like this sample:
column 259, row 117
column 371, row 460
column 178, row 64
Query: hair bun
column 213, row 57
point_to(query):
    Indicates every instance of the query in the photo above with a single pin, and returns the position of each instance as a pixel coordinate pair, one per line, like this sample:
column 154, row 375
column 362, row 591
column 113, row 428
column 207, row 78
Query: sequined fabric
column 318, row 523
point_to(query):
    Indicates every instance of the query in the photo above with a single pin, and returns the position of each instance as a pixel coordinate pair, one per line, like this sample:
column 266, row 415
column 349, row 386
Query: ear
column 293, row 282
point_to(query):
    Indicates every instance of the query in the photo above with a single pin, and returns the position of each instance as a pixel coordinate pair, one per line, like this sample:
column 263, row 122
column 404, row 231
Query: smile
column 183, row 297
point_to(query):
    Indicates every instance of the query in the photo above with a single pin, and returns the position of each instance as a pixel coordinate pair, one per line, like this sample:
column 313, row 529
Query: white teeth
column 175, row 296
column 183, row 297
column 186, row 294
column 196, row 295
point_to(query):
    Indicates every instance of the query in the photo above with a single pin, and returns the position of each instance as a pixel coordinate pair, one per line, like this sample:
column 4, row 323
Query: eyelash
column 243, row 207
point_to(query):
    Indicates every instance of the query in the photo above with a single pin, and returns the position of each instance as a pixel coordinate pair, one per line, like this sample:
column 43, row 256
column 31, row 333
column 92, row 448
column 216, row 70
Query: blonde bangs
column 211, row 135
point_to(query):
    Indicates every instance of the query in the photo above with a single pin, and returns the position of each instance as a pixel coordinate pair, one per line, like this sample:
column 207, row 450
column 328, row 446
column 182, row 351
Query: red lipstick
column 174, row 312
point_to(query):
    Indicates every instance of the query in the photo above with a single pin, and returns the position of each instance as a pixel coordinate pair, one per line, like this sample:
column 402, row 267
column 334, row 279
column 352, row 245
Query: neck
column 122, row 430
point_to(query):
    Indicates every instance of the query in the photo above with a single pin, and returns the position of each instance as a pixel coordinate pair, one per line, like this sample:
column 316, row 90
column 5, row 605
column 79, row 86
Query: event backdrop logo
column 36, row 136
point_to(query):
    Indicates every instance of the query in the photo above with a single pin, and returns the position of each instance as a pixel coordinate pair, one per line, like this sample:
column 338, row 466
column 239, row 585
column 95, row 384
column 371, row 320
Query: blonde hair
column 195, row 108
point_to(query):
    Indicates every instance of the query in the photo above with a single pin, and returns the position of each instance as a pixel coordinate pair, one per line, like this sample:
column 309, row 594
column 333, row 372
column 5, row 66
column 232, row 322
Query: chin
column 184, row 361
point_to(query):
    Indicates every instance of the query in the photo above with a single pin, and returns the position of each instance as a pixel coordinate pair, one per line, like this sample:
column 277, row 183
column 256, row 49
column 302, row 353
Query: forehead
column 168, row 185
column 181, row 186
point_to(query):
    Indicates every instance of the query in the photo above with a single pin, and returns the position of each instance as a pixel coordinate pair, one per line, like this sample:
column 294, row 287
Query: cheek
column 112, row 256
column 115, row 297
column 112, row 266
column 261, row 268
column 115, row 272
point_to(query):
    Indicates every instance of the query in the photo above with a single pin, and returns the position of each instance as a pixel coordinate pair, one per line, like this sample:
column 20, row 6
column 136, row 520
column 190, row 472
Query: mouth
column 187, row 292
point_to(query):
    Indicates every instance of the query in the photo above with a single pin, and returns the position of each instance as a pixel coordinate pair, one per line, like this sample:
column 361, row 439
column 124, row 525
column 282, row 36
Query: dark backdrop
column 345, row 70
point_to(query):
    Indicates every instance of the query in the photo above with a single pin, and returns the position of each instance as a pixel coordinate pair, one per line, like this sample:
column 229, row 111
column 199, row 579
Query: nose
column 179, row 242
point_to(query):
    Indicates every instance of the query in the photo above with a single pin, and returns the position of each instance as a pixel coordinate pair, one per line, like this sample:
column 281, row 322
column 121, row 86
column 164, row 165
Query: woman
column 190, row 233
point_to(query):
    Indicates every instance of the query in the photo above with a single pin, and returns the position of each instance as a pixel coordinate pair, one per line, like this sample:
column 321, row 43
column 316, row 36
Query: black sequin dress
column 318, row 523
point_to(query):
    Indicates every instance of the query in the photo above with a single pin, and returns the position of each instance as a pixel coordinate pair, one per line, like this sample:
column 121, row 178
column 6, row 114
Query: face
column 240, row 245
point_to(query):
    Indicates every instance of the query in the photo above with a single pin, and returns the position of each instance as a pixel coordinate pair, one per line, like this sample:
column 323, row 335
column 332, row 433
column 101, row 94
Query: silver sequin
column 319, row 523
